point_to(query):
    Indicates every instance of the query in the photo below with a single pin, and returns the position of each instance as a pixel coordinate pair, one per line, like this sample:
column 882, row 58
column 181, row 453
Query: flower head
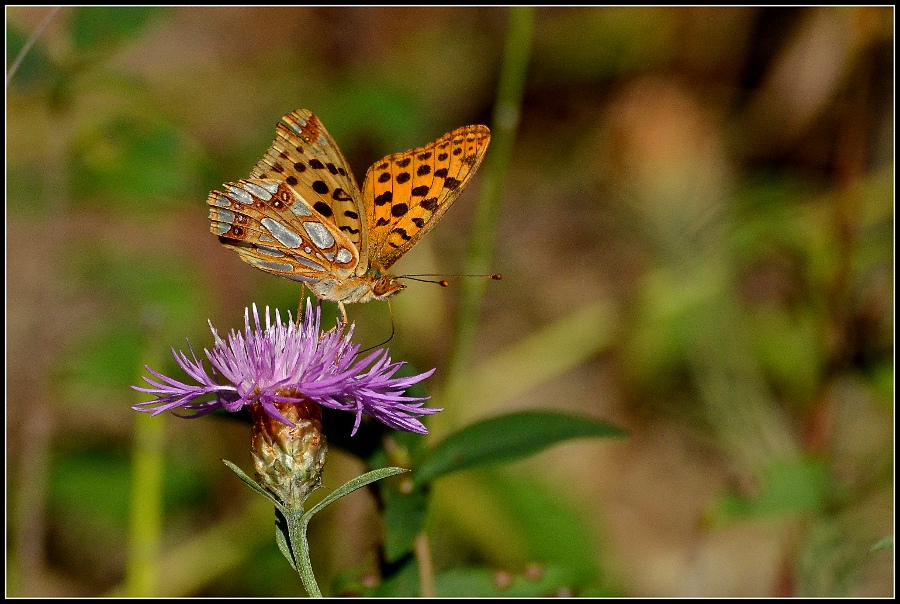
column 288, row 363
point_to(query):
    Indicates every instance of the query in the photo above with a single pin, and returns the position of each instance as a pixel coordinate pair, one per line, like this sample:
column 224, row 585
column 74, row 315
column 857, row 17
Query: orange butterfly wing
column 308, row 160
column 405, row 194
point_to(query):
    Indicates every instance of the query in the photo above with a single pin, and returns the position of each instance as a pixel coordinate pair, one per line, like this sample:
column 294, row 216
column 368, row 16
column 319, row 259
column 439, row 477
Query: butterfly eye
column 382, row 286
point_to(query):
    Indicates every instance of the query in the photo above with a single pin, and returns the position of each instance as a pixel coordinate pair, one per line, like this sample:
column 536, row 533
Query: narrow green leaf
column 283, row 539
column 252, row 483
column 886, row 543
column 507, row 438
column 349, row 487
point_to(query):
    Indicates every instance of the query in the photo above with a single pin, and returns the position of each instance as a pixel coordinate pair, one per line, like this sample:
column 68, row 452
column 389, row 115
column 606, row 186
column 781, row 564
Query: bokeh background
column 696, row 236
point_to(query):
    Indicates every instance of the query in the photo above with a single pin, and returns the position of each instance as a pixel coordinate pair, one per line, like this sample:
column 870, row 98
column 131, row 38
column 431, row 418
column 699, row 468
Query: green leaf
column 553, row 530
column 404, row 583
column 506, row 438
column 101, row 27
column 787, row 487
column 404, row 516
column 886, row 543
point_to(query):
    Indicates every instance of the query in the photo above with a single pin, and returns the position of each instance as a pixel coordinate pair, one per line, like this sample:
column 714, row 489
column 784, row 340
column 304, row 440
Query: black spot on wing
column 323, row 208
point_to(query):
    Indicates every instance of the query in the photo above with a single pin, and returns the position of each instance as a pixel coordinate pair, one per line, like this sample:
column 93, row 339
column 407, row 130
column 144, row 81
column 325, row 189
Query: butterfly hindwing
column 405, row 194
column 306, row 158
column 274, row 229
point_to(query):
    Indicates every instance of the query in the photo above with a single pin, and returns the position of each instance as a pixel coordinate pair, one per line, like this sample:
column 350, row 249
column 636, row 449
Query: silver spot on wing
column 284, row 235
column 240, row 195
column 319, row 235
column 270, row 251
column 309, row 263
column 300, row 278
column 258, row 191
column 221, row 215
column 344, row 256
column 271, row 266
column 301, row 209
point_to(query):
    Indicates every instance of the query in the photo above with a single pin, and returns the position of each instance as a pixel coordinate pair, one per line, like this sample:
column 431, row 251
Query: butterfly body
column 302, row 216
column 357, row 289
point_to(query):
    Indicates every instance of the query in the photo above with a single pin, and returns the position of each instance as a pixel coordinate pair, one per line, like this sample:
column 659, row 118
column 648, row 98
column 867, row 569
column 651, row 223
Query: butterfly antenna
column 443, row 282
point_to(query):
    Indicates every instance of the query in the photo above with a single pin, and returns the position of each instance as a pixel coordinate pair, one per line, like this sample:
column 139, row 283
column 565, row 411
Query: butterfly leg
column 343, row 315
column 300, row 303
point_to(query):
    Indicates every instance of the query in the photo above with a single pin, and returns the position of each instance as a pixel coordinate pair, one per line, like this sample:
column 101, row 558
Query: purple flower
column 289, row 363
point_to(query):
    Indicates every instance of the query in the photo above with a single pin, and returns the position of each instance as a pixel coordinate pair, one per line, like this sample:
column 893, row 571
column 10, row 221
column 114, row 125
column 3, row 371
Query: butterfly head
column 386, row 286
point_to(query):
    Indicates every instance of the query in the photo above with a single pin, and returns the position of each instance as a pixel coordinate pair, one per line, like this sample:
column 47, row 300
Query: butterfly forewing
column 306, row 158
column 407, row 193
column 272, row 228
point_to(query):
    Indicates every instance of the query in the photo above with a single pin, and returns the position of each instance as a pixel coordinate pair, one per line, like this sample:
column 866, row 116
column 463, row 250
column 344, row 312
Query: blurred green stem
column 142, row 567
column 507, row 109
column 422, row 550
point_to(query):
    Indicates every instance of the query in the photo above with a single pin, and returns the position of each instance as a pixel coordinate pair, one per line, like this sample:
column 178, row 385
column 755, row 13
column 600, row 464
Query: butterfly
column 302, row 216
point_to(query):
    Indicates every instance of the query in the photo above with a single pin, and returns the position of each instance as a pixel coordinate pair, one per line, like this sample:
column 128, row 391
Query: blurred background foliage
column 696, row 240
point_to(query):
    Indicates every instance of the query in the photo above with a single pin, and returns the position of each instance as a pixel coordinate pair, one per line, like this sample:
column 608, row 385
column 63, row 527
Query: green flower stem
column 291, row 523
column 297, row 522
column 505, row 120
